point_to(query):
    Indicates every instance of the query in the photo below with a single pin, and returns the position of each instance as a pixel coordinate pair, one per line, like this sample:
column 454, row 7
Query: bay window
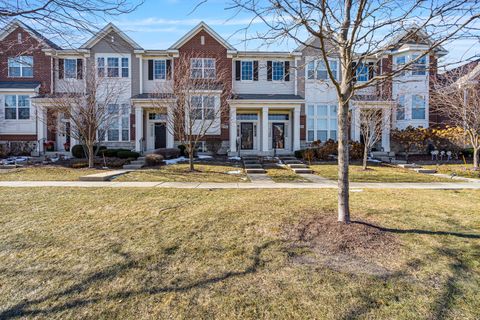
column 400, row 62
column 21, row 66
column 202, row 108
column 118, row 127
column 321, row 122
column 419, row 68
column 17, row 107
column 401, row 108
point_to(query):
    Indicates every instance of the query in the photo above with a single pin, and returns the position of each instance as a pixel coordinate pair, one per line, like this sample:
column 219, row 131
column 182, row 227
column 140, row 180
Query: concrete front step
column 251, row 162
column 297, row 165
column 427, row 171
column 409, row 165
column 292, row 162
column 288, row 158
column 133, row 166
column 137, row 162
column 248, row 158
column 252, row 166
column 399, row 161
column 302, row 170
column 254, row 170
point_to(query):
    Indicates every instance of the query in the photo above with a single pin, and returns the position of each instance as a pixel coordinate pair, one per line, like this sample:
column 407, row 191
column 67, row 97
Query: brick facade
column 211, row 48
column 42, row 71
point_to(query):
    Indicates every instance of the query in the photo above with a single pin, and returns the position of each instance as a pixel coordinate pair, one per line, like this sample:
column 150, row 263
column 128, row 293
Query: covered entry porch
column 264, row 127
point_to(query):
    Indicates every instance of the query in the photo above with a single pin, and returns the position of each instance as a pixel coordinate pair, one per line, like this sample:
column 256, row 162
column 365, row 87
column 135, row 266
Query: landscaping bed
column 156, row 253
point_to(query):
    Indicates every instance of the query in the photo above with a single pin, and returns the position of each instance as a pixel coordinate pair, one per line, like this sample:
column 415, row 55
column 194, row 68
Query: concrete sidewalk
column 240, row 185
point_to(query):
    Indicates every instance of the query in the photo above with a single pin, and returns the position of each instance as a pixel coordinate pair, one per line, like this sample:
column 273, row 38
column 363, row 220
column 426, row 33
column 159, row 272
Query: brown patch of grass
column 284, row 175
column 45, row 173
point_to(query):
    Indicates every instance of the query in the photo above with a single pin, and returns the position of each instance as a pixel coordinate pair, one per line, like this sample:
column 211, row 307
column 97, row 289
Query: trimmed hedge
column 127, row 154
column 79, row 153
column 153, row 159
column 111, row 152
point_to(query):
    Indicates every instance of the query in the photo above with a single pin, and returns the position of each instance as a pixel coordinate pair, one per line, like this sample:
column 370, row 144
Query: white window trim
column 283, row 71
column 412, row 107
column 241, row 71
column 315, row 68
column 203, row 106
column 105, row 65
column 119, row 122
column 154, row 75
column 65, row 69
column 17, row 107
column 316, row 117
column 21, row 68
column 203, row 68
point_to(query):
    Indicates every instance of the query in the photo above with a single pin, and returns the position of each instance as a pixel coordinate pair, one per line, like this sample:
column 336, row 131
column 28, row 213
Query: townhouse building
column 279, row 101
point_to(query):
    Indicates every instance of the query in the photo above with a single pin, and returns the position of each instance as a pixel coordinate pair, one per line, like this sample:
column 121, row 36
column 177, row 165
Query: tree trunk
column 90, row 155
column 343, row 185
column 365, row 157
column 191, row 150
column 475, row 158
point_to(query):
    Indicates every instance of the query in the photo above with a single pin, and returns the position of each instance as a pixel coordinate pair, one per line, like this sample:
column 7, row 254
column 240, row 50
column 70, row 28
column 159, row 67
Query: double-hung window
column 17, row 107
column 321, row 122
column 118, row 127
column 317, row 69
column 159, row 70
column 70, row 68
column 115, row 67
column 362, row 72
column 418, row 107
column 401, row 107
column 400, row 62
column 21, row 66
column 203, row 108
column 278, row 71
column 420, row 66
column 247, row 70
column 202, row 68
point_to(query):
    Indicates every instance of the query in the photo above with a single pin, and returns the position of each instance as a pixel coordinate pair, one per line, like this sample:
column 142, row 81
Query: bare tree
column 372, row 124
column 457, row 99
column 356, row 31
column 199, row 89
column 90, row 106
column 64, row 19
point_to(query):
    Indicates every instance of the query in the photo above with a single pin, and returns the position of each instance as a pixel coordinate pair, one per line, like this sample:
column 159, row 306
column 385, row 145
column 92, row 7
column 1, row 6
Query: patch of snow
column 14, row 160
column 176, row 160
column 234, row 172
column 204, row 157
column 234, row 158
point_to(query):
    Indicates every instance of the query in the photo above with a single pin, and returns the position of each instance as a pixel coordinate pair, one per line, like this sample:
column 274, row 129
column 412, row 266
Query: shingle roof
column 266, row 96
column 19, row 85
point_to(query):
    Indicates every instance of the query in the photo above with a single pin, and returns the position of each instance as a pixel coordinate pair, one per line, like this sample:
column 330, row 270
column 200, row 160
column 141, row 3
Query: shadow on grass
column 27, row 307
column 419, row 231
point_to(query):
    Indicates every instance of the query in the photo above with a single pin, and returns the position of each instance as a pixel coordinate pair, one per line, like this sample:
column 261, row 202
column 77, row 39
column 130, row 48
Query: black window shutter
column 255, row 70
column 287, row 70
column 80, row 69
column 168, row 64
column 150, row 69
column 60, row 68
column 354, row 68
column 269, row 70
column 371, row 70
column 238, row 70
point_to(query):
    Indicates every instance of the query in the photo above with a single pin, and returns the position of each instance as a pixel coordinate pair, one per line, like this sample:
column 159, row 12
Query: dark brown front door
column 160, row 135
column 278, row 135
column 246, row 132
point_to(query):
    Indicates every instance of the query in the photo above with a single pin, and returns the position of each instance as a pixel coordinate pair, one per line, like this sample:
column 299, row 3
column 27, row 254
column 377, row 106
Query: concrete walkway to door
column 240, row 185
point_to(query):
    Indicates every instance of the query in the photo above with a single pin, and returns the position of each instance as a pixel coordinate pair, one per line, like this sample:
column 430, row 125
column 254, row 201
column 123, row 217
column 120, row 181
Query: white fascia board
column 262, row 103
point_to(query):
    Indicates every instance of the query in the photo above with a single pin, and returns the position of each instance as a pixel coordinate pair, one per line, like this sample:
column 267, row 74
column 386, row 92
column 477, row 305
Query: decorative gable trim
column 201, row 26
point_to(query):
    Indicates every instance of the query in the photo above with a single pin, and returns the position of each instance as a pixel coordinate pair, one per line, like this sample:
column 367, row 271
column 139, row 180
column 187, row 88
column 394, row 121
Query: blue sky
column 157, row 24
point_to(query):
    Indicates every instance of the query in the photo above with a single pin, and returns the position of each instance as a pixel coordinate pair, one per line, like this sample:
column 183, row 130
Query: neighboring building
column 280, row 101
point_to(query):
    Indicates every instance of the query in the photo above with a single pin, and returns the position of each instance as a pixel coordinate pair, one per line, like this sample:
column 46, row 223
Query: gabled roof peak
column 199, row 27
column 105, row 31
column 16, row 23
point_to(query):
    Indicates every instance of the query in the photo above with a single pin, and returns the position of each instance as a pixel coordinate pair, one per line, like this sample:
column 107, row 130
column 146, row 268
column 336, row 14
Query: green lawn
column 231, row 254
column 284, row 175
column 458, row 169
column 181, row 173
column 376, row 174
column 45, row 173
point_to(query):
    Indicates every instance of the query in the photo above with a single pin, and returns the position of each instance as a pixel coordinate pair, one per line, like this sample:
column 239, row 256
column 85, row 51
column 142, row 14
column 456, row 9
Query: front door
column 246, row 136
column 160, row 135
column 278, row 135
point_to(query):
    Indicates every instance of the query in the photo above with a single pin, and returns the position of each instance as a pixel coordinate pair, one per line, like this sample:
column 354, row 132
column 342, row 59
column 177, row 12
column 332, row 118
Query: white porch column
column 233, row 129
column 355, row 127
column 170, row 129
column 41, row 128
column 386, row 124
column 296, row 128
column 265, row 129
column 138, row 129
